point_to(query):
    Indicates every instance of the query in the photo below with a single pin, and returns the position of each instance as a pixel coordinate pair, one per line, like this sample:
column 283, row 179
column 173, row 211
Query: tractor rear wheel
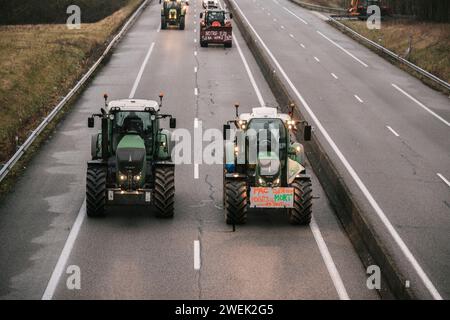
column 235, row 202
column 182, row 22
column 95, row 191
column 302, row 210
column 164, row 194
column 163, row 23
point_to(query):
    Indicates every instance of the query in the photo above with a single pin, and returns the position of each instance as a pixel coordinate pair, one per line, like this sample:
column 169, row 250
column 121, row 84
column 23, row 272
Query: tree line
column 428, row 10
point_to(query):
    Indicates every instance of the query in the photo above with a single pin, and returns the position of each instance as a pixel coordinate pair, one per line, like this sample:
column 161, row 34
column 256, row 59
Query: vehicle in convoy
column 173, row 12
column 210, row 4
column 216, row 28
column 264, row 166
column 131, row 158
column 358, row 8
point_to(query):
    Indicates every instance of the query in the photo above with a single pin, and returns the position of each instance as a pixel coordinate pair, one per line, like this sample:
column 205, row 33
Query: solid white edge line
column 326, row 256
column 64, row 256
column 249, row 73
column 197, row 261
column 345, row 50
column 393, row 131
column 421, row 104
column 408, row 254
column 443, row 179
column 141, row 71
column 302, row 20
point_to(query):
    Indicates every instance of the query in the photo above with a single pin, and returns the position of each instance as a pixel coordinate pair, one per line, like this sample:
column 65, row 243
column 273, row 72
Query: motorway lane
column 395, row 146
column 129, row 255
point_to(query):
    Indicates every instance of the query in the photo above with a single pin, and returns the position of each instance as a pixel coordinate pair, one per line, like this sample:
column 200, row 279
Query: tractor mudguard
column 297, row 152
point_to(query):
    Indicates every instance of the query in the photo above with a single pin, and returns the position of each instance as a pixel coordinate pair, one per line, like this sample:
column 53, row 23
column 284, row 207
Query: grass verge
column 38, row 65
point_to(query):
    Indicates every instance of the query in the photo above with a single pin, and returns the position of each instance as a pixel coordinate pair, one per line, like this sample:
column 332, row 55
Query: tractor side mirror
column 173, row 123
column 201, row 15
column 307, row 133
column 226, row 129
column 91, row 122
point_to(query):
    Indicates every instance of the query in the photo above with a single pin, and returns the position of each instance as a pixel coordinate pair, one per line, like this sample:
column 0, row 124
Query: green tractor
column 264, row 167
column 173, row 12
column 131, row 158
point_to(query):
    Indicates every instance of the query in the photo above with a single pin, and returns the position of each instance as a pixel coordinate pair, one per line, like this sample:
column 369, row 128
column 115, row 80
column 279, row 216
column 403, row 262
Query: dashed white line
column 196, row 91
column 274, row 20
column 302, row 45
column 393, row 131
column 195, row 69
column 317, row 59
column 195, row 53
column 421, row 105
column 358, row 98
column 291, row 35
column 197, row 261
column 282, row 27
column 443, row 179
column 302, row 20
column 141, row 71
column 334, row 76
column 195, row 40
column 345, row 50
column 393, row 232
column 195, row 30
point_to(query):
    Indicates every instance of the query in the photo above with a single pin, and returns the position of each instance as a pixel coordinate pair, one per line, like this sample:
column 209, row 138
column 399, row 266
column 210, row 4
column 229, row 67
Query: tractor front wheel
column 235, row 201
column 302, row 210
column 164, row 194
column 163, row 23
column 95, row 191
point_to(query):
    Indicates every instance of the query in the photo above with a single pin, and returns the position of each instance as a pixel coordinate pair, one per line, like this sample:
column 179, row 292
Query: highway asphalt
column 386, row 132
column 130, row 254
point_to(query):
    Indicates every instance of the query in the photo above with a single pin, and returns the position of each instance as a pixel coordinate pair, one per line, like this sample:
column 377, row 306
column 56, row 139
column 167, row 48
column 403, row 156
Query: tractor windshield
column 271, row 136
column 132, row 122
column 215, row 16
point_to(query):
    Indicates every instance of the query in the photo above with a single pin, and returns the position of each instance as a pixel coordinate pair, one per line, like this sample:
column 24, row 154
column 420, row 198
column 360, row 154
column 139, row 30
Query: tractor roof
column 133, row 105
column 264, row 112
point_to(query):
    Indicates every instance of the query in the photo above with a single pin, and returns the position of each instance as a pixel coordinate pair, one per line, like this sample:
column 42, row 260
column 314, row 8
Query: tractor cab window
column 215, row 17
column 132, row 122
column 270, row 134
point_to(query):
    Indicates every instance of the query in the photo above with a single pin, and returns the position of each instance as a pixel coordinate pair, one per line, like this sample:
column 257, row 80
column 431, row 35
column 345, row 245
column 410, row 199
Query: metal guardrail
column 393, row 55
column 6, row 168
column 319, row 8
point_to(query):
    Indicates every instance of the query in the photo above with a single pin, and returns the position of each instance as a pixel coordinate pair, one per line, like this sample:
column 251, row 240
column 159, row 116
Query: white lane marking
column 291, row 35
column 443, row 179
column 282, row 27
column 196, row 175
column 195, row 30
column 197, row 262
column 195, row 40
column 412, row 260
column 340, row 47
column 64, row 257
column 302, row 20
column 393, row 131
column 249, row 72
column 317, row 59
column 359, row 99
column 331, row 267
column 302, row 45
column 196, row 123
column 334, row 273
column 196, row 91
column 274, row 20
column 195, row 53
column 141, row 71
column 195, row 69
column 421, row 105
column 334, row 76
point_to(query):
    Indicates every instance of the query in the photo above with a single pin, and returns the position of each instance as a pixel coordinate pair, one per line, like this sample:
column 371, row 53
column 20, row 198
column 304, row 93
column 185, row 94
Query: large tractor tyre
column 95, row 191
column 182, row 22
column 163, row 23
column 302, row 210
column 164, row 195
column 235, row 202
